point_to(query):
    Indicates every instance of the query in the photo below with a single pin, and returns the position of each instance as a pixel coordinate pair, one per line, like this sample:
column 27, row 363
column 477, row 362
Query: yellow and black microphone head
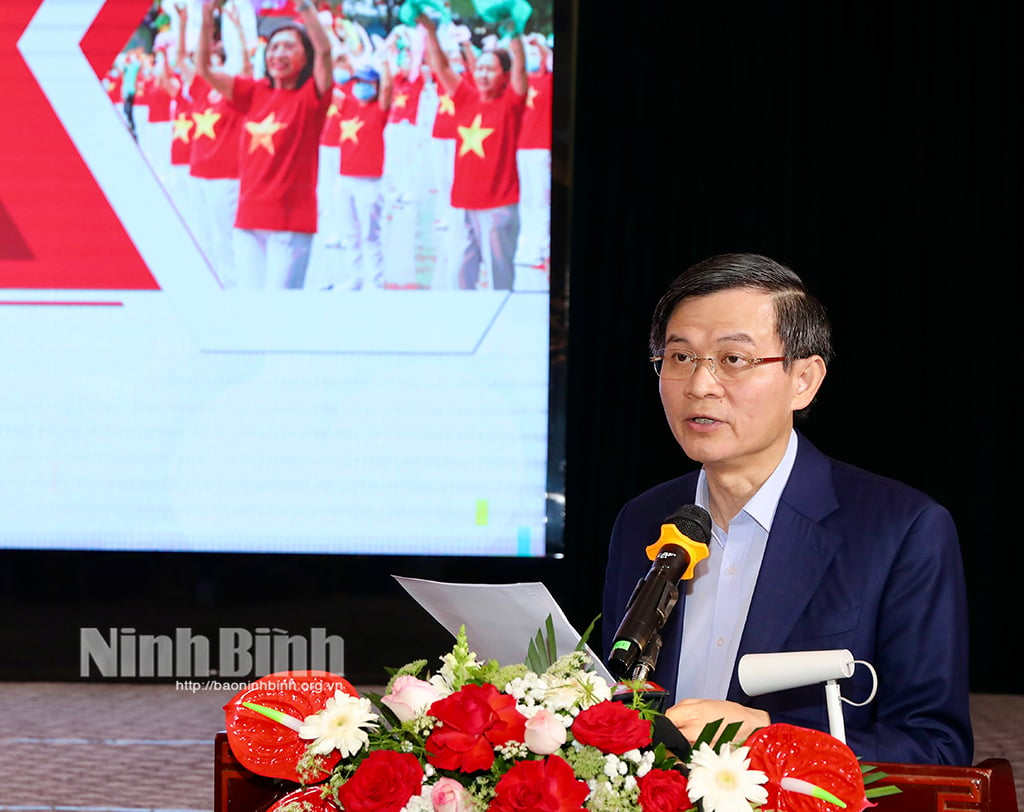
column 682, row 544
column 688, row 527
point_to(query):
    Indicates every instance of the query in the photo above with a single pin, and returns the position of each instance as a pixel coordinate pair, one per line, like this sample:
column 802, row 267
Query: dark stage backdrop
column 876, row 149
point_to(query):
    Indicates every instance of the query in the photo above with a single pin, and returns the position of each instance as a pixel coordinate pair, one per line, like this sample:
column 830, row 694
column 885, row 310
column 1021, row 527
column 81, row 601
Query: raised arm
column 219, row 80
column 182, row 64
column 386, row 84
column 232, row 14
column 323, row 67
column 518, row 80
column 436, row 59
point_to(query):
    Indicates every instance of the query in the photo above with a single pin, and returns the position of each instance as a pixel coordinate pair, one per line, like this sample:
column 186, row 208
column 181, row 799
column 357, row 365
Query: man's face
column 743, row 425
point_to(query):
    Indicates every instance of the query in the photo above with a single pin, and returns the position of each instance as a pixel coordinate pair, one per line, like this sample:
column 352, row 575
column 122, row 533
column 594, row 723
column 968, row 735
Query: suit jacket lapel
column 797, row 555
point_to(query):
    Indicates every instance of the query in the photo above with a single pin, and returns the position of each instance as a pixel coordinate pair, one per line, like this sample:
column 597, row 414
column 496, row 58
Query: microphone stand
column 664, row 731
column 648, row 659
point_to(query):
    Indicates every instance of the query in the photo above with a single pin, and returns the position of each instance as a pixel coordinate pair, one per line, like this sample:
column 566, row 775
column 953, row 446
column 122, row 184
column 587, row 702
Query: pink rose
column 410, row 697
column 544, row 733
column 448, row 795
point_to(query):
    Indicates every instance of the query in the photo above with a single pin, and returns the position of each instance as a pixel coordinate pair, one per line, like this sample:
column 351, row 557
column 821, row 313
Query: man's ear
column 809, row 372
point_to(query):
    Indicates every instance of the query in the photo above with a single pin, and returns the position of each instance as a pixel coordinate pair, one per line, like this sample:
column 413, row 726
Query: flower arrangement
column 547, row 735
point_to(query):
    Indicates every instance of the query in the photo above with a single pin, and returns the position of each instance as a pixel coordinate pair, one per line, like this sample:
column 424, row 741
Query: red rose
column 383, row 782
column 473, row 721
column 663, row 791
column 540, row 786
column 612, row 727
column 786, row 751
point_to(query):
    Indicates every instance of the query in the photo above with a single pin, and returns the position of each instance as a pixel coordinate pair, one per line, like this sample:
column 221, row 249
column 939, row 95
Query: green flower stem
column 807, row 788
column 281, row 718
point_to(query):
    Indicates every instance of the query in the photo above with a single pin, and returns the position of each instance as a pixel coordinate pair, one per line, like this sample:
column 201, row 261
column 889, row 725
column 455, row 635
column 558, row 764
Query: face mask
column 458, row 67
column 364, row 91
column 532, row 62
column 341, row 76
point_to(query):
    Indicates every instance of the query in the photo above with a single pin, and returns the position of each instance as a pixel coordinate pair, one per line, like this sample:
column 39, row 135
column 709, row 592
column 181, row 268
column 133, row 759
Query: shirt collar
column 762, row 505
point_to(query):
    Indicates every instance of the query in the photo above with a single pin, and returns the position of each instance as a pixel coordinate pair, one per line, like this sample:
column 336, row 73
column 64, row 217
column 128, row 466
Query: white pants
column 534, row 167
column 216, row 203
column 361, row 201
column 271, row 260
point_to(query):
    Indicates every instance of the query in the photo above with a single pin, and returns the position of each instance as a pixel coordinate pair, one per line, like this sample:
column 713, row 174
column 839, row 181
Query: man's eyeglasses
column 726, row 366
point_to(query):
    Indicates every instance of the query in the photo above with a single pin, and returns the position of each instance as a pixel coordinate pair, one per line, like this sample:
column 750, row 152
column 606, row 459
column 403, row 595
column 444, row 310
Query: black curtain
column 874, row 148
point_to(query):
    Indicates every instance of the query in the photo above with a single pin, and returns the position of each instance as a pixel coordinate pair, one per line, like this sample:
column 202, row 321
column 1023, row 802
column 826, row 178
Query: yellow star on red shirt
column 531, row 94
column 182, row 126
column 400, row 100
column 206, row 123
column 445, row 106
column 263, row 132
column 473, row 137
column 350, row 128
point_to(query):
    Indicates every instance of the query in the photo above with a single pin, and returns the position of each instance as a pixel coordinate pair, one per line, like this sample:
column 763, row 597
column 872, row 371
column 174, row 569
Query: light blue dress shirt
column 718, row 596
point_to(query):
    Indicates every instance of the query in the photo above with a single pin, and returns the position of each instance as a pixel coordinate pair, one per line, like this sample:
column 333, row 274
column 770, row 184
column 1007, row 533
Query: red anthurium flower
column 308, row 799
column 273, row 748
column 612, row 727
column 797, row 760
column 540, row 786
column 473, row 720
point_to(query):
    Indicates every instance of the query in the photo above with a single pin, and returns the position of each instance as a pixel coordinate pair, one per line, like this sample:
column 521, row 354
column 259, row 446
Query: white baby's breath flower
column 341, row 725
column 724, row 781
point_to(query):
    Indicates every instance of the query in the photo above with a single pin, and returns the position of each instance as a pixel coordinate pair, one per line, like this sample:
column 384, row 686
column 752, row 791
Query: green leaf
column 707, row 735
column 871, row 774
column 540, row 653
column 729, row 734
column 878, row 792
column 586, row 634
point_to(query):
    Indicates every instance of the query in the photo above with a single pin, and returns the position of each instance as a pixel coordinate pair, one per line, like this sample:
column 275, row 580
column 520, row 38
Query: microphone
column 683, row 544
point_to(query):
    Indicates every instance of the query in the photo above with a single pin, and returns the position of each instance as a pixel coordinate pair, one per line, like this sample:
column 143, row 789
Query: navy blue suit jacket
column 853, row 561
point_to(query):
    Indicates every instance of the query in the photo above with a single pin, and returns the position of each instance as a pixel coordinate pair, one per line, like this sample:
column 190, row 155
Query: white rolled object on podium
column 767, row 673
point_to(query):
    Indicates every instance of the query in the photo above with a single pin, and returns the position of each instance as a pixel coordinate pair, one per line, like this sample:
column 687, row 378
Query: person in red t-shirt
column 448, row 222
column 533, row 160
column 155, row 137
column 214, row 165
column 404, row 140
column 284, row 115
column 485, row 185
column 328, row 221
column 363, row 113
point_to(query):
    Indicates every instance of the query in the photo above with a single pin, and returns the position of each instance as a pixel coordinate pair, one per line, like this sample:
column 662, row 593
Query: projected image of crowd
column 350, row 146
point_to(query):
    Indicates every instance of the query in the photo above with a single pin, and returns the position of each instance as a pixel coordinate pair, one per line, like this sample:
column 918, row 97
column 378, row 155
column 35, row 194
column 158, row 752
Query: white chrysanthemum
column 724, row 781
column 341, row 725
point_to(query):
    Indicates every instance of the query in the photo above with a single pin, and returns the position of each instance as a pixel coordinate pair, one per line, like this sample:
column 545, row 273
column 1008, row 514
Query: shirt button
column 731, row 571
column 720, row 642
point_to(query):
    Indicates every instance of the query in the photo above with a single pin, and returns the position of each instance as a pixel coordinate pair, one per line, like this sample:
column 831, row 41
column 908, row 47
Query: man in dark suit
column 807, row 553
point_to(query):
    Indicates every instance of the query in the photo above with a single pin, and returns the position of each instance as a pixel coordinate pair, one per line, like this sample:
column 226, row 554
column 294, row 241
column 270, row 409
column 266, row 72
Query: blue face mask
column 364, row 91
column 458, row 67
column 532, row 62
column 341, row 76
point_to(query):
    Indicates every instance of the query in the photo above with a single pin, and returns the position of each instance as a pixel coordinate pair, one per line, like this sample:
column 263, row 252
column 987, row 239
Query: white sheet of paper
column 500, row 619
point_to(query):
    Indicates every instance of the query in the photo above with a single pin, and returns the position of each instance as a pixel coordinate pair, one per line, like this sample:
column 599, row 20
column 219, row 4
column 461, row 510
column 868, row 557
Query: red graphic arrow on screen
column 57, row 228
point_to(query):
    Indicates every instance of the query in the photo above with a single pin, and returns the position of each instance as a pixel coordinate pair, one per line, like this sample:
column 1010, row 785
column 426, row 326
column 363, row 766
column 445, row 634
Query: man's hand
column 691, row 715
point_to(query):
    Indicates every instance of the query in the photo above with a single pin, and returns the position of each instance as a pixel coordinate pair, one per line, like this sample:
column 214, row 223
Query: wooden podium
column 987, row 787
